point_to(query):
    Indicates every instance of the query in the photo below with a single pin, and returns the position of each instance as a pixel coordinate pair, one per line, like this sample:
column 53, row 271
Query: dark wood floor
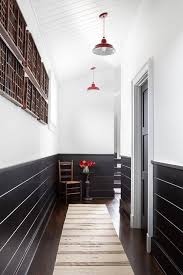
column 133, row 242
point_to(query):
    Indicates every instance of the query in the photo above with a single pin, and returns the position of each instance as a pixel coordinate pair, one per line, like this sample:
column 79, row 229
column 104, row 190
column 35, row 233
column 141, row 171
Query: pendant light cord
column 103, row 27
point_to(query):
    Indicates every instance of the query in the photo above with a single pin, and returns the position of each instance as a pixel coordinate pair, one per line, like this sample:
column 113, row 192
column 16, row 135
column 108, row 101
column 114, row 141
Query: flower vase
column 86, row 170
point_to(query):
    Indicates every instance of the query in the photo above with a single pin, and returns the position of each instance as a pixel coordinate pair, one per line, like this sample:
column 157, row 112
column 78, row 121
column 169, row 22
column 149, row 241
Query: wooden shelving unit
column 14, row 35
column 10, row 44
column 34, row 81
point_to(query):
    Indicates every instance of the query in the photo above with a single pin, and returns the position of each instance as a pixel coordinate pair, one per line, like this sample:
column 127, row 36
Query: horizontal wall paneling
column 125, row 202
column 167, row 244
column 27, row 197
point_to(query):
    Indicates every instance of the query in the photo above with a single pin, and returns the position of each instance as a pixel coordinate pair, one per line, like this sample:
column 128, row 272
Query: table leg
column 87, row 197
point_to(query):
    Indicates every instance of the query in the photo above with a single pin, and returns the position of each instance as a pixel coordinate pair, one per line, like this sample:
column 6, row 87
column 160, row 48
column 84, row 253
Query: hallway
column 91, row 112
column 133, row 242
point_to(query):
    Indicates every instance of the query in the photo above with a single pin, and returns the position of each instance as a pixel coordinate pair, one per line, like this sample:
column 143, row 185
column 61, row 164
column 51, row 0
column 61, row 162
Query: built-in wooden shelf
column 43, row 122
column 16, row 49
column 4, row 94
column 31, row 113
column 28, row 111
column 10, row 44
column 34, row 81
column 21, row 106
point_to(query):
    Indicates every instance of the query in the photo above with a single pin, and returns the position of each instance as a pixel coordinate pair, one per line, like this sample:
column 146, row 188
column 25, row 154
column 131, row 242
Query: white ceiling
column 71, row 28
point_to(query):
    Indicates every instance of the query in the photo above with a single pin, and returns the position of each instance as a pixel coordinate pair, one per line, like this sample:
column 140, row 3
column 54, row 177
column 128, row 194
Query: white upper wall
column 157, row 33
column 86, row 119
column 23, row 138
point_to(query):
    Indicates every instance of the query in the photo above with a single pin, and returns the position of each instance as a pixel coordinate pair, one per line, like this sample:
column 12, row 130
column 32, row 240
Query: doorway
column 117, row 157
column 142, row 152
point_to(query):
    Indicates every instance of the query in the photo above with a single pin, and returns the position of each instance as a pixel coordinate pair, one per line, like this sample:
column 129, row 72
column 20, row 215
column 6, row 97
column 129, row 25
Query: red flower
column 84, row 163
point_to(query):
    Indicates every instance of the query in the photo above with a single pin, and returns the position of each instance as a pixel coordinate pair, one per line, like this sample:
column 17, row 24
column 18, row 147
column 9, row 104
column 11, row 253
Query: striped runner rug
column 89, row 244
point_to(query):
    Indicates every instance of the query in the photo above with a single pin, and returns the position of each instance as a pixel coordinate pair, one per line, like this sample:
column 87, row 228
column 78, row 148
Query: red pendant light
column 93, row 87
column 104, row 48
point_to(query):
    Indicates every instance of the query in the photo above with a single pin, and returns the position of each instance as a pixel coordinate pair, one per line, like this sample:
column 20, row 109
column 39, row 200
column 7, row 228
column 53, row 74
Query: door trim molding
column 145, row 73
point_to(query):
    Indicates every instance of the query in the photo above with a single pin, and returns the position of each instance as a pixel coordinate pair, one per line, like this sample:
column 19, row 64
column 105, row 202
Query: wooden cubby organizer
column 34, row 103
column 11, row 76
column 23, row 77
column 43, row 111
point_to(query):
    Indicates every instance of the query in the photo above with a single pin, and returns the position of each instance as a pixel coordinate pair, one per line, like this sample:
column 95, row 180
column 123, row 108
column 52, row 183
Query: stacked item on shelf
column 43, row 110
column 34, row 103
column 14, row 23
column 11, row 75
column 44, row 80
column 2, row 65
column 3, row 13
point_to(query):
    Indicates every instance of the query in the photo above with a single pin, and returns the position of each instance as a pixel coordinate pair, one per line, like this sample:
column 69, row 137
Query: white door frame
column 145, row 73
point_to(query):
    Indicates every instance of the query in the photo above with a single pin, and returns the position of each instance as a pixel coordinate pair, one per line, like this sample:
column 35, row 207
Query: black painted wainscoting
column 27, row 198
column 102, row 181
column 125, row 202
column 167, row 243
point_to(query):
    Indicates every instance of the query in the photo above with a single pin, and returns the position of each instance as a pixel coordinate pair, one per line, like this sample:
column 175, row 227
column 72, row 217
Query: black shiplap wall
column 167, row 244
column 27, row 197
column 102, row 181
column 125, row 202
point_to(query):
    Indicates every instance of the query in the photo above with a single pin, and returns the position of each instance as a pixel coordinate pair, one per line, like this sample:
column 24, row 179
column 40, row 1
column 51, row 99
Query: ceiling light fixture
column 93, row 87
column 103, row 48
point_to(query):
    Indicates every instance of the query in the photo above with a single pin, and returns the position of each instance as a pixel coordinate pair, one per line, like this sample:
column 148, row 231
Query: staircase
column 117, row 172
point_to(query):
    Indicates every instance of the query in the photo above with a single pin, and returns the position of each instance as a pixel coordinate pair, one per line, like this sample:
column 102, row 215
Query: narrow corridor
column 91, row 113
